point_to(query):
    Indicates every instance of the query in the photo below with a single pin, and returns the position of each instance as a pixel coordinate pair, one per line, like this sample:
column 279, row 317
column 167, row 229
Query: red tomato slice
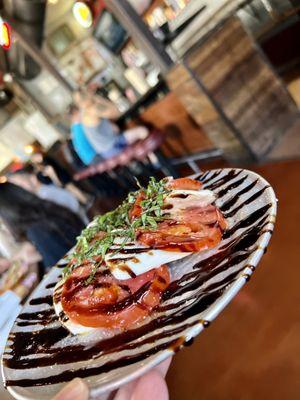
column 184, row 184
column 136, row 210
column 111, row 303
column 205, row 238
column 196, row 216
column 192, row 229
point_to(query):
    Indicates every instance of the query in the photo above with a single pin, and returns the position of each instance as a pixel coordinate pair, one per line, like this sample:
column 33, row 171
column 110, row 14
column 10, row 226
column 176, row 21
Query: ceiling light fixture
column 5, row 38
column 29, row 149
column 82, row 14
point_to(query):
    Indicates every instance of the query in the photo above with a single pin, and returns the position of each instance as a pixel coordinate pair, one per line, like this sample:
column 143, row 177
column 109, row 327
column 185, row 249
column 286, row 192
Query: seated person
column 49, row 171
column 51, row 228
column 92, row 126
column 26, row 179
column 84, row 150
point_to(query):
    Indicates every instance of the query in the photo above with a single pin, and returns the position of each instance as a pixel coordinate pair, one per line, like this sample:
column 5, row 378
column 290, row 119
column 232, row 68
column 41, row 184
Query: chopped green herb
column 100, row 236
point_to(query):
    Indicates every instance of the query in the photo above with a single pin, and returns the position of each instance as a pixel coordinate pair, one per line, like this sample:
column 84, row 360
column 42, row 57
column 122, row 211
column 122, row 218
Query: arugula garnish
column 95, row 240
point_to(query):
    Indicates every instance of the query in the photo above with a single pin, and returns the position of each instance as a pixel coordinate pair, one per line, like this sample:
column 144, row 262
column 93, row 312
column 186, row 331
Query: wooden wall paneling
column 183, row 134
column 203, row 111
column 239, row 80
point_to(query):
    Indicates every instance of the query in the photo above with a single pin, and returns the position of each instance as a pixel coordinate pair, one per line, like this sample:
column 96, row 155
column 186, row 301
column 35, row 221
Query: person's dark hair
column 20, row 208
column 72, row 108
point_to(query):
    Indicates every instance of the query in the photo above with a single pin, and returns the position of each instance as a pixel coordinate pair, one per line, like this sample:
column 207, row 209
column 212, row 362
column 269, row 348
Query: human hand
column 150, row 386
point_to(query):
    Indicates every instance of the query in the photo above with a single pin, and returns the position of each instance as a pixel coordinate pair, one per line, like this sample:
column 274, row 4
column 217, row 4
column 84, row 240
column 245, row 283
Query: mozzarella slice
column 181, row 199
column 126, row 266
column 204, row 195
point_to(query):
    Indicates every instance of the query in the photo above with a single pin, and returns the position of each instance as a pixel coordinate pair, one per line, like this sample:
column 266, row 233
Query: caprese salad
column 119, row 269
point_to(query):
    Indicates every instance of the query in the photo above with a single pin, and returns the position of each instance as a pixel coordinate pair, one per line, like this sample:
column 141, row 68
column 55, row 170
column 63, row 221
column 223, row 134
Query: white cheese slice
column 125, row 266
column 182, row 199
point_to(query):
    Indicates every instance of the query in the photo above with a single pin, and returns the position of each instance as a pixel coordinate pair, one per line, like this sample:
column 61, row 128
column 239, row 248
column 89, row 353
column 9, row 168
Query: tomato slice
column 111, row 303
column 192, row 229
column 182, row 238
column 184, row 184
column 180, row 183
column 197, row 216
column 137, row 209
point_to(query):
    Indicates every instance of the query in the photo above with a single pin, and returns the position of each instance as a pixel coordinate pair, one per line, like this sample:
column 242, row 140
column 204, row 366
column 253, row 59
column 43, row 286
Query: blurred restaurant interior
column 200, row 84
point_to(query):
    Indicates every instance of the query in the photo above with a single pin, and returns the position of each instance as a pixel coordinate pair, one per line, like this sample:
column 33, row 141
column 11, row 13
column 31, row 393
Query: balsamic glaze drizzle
column 38, row 315
column 51, row 285
column 231, row 202
column 233, row 185
column 245, row 202
column 205, row 178
column 62, row 265
column 42, row 300
column 162, row 326
column 227, row 178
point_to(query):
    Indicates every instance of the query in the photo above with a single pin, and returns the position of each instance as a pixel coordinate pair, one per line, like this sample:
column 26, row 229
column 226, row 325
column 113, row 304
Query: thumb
column 151, row 386
column 74, row 390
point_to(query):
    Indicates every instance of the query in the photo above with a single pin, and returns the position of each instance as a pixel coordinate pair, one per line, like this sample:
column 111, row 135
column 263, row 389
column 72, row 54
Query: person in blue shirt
column 94, row 136
column 82, row 146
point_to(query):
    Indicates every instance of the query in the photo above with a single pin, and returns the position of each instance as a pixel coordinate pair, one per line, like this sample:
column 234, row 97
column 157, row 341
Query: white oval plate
column 206, row 282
